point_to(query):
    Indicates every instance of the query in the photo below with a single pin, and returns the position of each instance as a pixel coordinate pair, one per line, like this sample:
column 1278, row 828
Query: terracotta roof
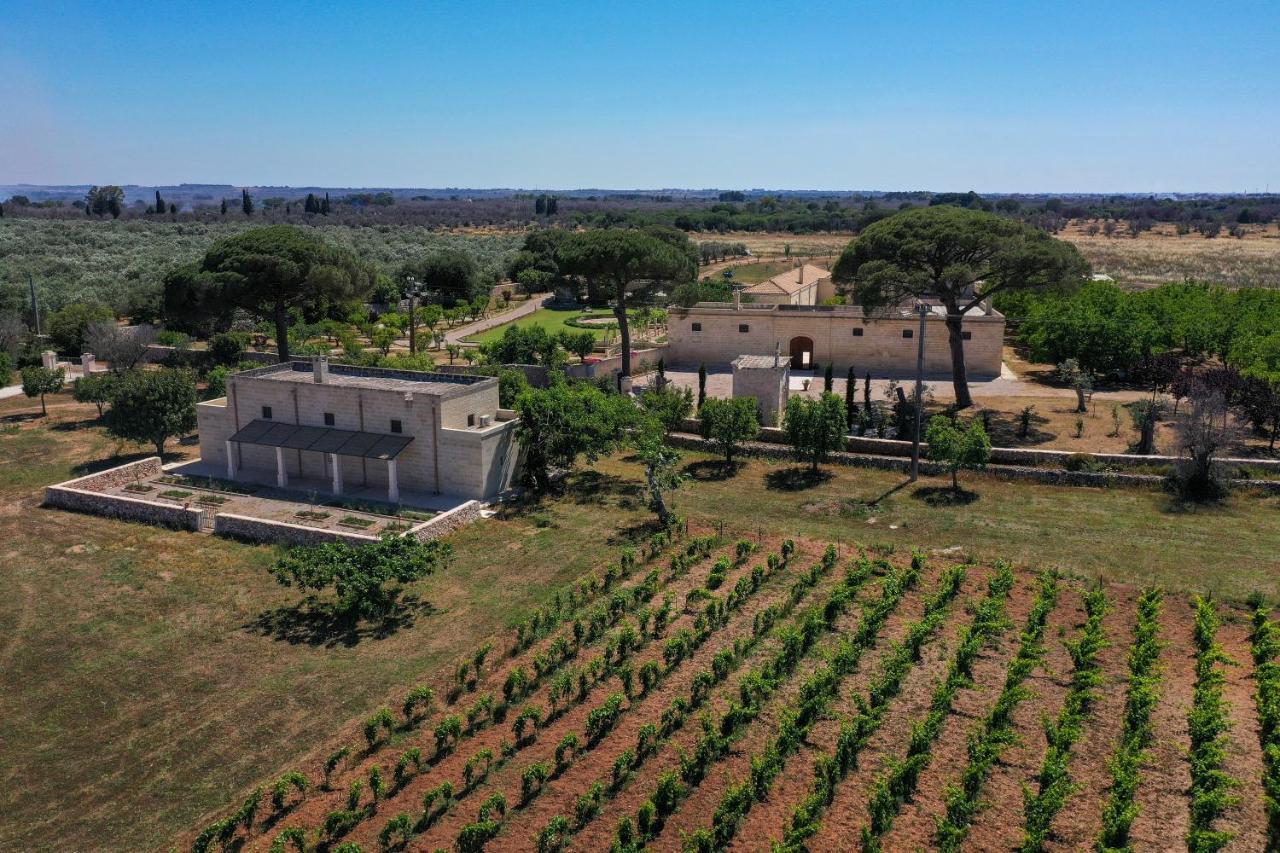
column 789, row 282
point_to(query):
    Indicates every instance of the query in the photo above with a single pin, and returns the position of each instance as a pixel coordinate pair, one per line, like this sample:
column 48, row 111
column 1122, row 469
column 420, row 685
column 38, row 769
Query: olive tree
column 561, row 423
column 728, row 423
column 38, row 381
column 958, row 448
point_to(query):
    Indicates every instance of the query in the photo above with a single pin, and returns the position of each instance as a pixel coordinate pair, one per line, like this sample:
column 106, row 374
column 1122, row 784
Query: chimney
column 320, row 369
column 802, row 273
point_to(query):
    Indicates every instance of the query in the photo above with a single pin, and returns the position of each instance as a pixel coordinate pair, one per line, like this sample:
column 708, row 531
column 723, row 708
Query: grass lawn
column 553, row 319
column 758, row 272
column 148, row 678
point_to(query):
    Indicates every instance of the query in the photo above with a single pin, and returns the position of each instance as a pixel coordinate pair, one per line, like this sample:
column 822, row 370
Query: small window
column 328, row 418
column 396, row 426
column 266, row 413
column 697, row 327
column 743, row 328
column 857, row 331
column 471, row 419
column 908, row 333
column 966, row 336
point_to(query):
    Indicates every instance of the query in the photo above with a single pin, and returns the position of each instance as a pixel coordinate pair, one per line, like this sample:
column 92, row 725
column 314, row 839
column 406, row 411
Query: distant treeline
column 798, row 213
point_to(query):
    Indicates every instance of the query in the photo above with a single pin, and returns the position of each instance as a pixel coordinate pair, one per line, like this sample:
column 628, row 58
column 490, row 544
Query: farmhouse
column 803, row 285
column 361, row 430
column 881, row 342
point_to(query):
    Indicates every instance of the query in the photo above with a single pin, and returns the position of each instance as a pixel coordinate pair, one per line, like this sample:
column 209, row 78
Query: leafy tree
column 383, row 338
column 269, row 272
column 95, row 388
column 122, row 347
column 660, row 460
column 226, row 348
column 669, row 407
column 561, row 423
column 623, row 259
column 958, row 448
column 152, row 406
column 451, row 276
column 246, row 203
column 525, row 345
column 359, row 574
column 958, row 256
column 815, row 427
column 728, row 423
column 580, row 344
column 67, row 326
column 38, row 381
column 103, row 200
column 1078, row 379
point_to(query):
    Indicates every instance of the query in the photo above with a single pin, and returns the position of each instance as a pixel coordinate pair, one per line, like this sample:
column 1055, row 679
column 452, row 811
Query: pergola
column 327, row 440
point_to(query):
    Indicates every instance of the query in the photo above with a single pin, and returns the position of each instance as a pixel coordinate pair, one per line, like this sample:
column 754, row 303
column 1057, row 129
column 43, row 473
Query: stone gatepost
column 87, row 362
column 49, row 359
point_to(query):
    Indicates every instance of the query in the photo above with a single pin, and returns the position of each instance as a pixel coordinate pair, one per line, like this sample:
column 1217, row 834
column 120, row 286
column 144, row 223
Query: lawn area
column 758, row 272
column 553, row 319
column 149, row 678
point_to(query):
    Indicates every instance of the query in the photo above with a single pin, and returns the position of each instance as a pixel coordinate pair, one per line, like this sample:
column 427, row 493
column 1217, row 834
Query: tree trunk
column 1080, row 404
column 955, row 479
column 160, row 447
column 282, row 332
column 959, row 378
column 656, row 500
column 43, row 411
column 620, row 311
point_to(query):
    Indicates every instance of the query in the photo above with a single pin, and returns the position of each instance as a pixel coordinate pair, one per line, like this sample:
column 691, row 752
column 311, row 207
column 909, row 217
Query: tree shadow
column 314, row 623
column 72, row 426
column 634, row 534
column 943, row 496
column 21, row 418
column 95, row 465
column 795, row 478
column 712, row 470
column 890, row 493
column 1005, row 429
column 590, row 486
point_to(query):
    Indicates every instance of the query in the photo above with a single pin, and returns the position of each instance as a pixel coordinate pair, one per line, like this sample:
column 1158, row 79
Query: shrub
column 331, row 763
column 382, row 720
column 280, row 790
column 418, row 703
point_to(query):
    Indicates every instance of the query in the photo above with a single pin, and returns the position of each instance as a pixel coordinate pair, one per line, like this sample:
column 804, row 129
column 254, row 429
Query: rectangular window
column 697, row 327
column 965, row 336
column 908, row 333
column 396, row 427
column 857, row 331
column 743, row 328
column 266, row 413
column 328, row 418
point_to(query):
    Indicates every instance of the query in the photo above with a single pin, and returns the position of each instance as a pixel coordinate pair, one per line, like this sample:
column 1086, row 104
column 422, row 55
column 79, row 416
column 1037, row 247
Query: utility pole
column 35, row 306
column 413, row 325
column 923, row 310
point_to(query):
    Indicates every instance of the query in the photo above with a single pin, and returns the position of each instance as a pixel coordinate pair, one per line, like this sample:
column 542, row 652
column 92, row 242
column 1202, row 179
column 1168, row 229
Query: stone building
column 767, row 378
column 802, row 285
column 390, row 434
column 882, row 343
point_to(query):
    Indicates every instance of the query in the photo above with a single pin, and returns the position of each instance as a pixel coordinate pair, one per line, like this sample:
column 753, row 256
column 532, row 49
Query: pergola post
column 393, row 482
column 337, row 473
column 231, row 460
column 282, row 474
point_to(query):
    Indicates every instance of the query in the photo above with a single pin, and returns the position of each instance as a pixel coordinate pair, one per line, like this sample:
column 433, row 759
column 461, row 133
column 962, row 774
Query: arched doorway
column 801, row 353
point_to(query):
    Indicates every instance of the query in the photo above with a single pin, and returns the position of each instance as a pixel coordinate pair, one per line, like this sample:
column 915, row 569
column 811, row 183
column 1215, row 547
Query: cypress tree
column 160, row 205
column 324, row 205
column 224, row 207
column 866, row 393
column 828, row 381
column 173, row 207
column 702, row 385
column 246, row 202
column 540, row 205
column 850, row 399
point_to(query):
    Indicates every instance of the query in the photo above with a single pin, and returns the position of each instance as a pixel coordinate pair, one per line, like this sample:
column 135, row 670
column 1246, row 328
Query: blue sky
column 999, row 97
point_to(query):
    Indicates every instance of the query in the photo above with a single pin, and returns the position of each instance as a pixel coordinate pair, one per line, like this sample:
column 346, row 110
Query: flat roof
column 343, row 442
column 374, row 378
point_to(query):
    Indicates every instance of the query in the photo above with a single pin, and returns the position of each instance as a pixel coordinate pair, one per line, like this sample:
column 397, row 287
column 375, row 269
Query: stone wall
column 86, row 494
column 282, row 532
column 640, row 359
column 446, row 522
column 1051, row 476
column 841, row 335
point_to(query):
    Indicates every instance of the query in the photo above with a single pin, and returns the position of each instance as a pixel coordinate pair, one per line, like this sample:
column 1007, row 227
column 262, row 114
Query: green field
column 148, row 677
column 756, row 273
column 552, row 319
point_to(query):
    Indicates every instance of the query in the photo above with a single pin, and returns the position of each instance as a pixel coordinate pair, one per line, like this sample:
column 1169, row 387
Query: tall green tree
column 246, row 203
column 152, row 406
column 728, row 423
column 450, row 276
column 958, row 448
column 625, row 260
column 268, row 272
column 103, row 200
column 958, row 257
column 814, row 427
column 38, row 381
column 561, row 423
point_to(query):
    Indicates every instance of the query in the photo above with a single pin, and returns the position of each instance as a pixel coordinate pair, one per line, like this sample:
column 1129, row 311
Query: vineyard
column 702, row 693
